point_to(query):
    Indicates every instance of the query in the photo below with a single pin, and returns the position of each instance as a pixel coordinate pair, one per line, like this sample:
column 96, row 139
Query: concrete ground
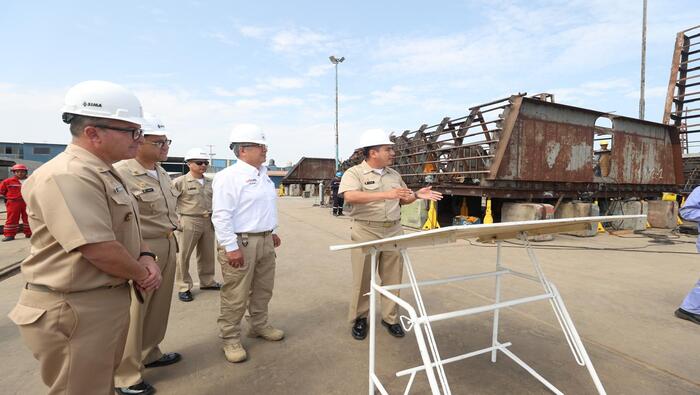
column 621, row 292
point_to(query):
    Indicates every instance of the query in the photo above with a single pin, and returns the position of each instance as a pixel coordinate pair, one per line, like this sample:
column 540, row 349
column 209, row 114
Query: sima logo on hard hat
column 90, row 104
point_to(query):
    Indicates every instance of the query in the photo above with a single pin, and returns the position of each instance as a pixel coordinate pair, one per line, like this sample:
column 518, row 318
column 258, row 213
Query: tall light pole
column 211, row 158
column 644, row 56
column 335, row 61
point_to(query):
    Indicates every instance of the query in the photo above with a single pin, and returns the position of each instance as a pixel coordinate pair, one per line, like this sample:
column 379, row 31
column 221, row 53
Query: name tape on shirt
column 251, row 181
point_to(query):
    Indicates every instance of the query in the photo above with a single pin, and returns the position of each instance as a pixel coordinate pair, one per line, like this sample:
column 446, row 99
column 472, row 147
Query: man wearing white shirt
column 244, row 214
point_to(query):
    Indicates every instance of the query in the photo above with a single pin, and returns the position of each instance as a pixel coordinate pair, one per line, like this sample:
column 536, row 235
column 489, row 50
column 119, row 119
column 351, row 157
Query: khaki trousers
column 196, row 232
column 78, row 338
column 149, row 319
column 248, row 287
column 389, row 268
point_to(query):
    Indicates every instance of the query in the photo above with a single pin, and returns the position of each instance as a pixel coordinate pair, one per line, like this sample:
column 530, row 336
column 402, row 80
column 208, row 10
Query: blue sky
column 204, row 66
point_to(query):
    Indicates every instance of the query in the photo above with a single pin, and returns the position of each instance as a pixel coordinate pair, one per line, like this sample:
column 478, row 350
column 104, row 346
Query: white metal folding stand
column 419, row 321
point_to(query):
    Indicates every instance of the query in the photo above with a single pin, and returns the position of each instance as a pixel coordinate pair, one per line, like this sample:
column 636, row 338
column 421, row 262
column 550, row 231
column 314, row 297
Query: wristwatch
column 147, row 253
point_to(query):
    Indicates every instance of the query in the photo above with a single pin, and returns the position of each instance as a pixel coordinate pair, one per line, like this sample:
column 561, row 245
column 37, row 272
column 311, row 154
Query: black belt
column 265, row 233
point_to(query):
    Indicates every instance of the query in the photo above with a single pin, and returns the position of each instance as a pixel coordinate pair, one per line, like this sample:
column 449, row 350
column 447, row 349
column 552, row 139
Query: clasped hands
column 153, row 278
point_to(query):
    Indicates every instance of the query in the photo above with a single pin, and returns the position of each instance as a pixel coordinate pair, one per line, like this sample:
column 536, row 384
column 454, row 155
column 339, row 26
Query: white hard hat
column 247, row 133
column 153, row 126
column 102, row 99
column 373, row 137
column 196, row 153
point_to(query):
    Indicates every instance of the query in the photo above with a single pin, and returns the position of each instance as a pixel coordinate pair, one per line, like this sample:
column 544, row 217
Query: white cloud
column 614, row 84
column 319, row 70
column 282, row 83
column 244, row 91
column 589, row 91
column 269, row 85
column 220, row 37
column 514, row 38
column 36, row 115
column 397, row 94
column 654, row 92
column 256, row 104
column 252, row 31
column 300, row 40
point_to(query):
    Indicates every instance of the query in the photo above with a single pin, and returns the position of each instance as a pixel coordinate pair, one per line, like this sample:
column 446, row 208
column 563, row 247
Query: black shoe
column 142, row 388
column 185, row 296
column 216, row 286
column 168, row 358
column 687, row 315
column 8, row 238
column 394, row 329
column 359, row 329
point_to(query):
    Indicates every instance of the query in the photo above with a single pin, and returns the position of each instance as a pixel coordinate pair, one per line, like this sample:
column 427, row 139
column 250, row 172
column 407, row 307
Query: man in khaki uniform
column 245, row 216
column 374, row 193
column 150, row 185
column 73, row 312
column 194, row 208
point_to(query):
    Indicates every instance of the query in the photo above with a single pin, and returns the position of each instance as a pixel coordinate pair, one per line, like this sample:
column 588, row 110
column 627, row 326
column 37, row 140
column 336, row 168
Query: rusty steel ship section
column 310, row 171
column 530, row 147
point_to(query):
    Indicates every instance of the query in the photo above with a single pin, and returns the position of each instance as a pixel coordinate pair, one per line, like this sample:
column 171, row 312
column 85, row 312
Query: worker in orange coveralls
column 11, row 189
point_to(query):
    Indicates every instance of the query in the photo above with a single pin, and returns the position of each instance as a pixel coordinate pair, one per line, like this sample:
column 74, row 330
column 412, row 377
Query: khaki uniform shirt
column 156, row 198
column 73, row 200
column 195, row 198
column 362, row 178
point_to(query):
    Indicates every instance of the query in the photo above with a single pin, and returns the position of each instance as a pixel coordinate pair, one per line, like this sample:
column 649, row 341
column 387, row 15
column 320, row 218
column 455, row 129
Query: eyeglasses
column 249, row 145
column 159, row 143
column 136, row 133
column 201, row 162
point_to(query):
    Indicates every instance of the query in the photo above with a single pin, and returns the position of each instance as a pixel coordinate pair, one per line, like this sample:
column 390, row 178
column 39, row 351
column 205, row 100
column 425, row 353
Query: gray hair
column 79, row 122
column 236, row 148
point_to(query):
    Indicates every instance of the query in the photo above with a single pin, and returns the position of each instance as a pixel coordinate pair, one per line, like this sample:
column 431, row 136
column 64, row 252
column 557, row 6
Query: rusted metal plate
column 548, row 151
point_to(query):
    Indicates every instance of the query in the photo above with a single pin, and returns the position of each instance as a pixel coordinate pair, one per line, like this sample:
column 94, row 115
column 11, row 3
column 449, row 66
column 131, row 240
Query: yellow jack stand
column 488, row 217
column 679, row 221
column 601, row 228
column 431, row 222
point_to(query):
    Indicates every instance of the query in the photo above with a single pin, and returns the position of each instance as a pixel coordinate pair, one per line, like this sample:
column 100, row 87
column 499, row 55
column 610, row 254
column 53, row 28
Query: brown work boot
column 267, row 332
column 235, row 352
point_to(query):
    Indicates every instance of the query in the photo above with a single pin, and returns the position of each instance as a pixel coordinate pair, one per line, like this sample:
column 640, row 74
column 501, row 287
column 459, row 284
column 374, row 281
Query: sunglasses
column 201, row 162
